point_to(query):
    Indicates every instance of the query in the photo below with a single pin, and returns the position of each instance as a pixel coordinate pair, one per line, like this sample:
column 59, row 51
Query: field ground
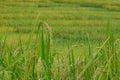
column 68, row 21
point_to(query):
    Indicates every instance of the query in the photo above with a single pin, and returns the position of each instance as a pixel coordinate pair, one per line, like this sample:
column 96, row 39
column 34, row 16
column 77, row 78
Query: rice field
column 59, row 40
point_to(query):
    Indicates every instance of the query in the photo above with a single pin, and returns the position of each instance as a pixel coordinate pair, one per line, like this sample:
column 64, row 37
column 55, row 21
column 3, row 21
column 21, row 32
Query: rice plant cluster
column 37, row 60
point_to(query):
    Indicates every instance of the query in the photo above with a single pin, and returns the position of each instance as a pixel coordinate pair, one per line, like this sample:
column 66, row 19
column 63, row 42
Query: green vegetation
column 38, row 60
column 82, row 42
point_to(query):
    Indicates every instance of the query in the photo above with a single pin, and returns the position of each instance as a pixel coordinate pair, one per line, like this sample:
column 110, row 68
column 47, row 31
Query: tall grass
column 36, row 59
